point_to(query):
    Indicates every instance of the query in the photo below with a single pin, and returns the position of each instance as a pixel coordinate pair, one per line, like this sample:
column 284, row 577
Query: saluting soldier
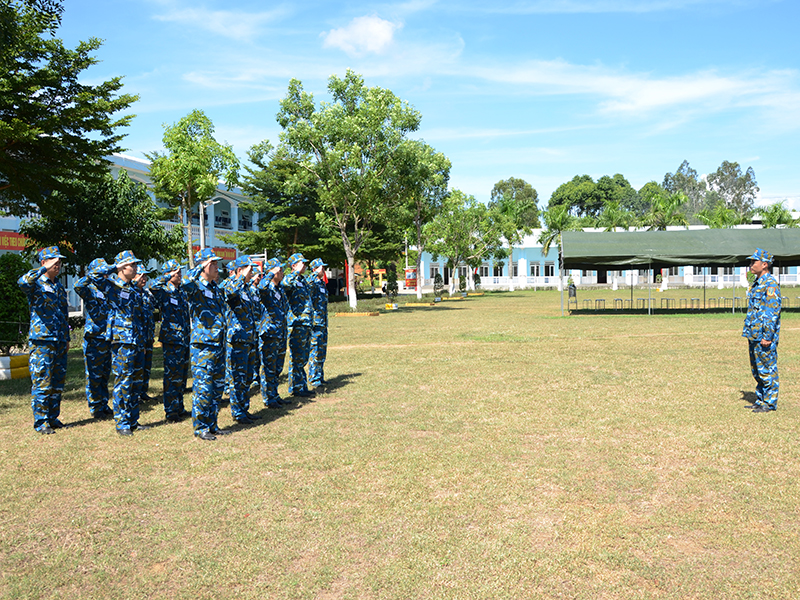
column 149, row 328
column 272, row 332
column 240, row 338
column 207, row 314
column 254, row 377
column 127, row 342
column 48, row 338
column 301, row 313
column 94, row 290
column 174, row 337
column 319, row 327
column 762, row 327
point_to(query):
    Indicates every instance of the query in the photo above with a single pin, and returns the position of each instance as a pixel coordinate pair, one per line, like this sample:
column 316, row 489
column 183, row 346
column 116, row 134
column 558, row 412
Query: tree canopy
column 55, row 131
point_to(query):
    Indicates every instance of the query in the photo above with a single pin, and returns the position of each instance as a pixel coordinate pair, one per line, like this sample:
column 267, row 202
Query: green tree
column 350, row 146
column 557, row 219
column 192, row 167
column 55, row 129
column 579, row 195
column 425, row 175
column 776, row 214
column 736, row 189
column 290, row 216
column 614, row 217
column 686, row 181
column 719, row 217
column 14, row 311
column 513, row 207
column 104, row 218
column 665, row 211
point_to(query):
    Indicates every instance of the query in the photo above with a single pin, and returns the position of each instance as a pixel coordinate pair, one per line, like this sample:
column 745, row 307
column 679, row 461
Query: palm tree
column 614, row 216
column 776, row 214
column 720, row 217
column 556, row 220
column 665, row 211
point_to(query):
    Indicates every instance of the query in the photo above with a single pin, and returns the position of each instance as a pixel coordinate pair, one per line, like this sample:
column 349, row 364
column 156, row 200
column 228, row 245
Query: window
column 588, row 273
column 783, row 270
column 514, row 269
column 535, row 269
column 674, row 271
column 498, row 270
column 483, row 271
column 434, row 270
column 462, row 272
column 549, row 269
column 726, row 270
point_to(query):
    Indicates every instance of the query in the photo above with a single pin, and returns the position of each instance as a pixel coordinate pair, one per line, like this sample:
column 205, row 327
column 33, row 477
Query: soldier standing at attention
column 272, row 332
column 127, row 342
column 762, row 327
column 48, row 338
column 149, row 328
column 241, row 337
column 254, row 377
column 94, row 289
column 301, row 313
column 319, row 328
column 174, row 337
column 207, row 314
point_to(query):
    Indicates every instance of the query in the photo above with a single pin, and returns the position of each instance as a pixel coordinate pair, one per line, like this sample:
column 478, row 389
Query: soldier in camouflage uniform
column 174, row 337
column 301, row 312
column 207, row 314
column 319, row 328
column 149, row 328
column 241, row 337
column 272, row 332
column 48, row 338
column 127, row 342
column 254, row 376
column 762, row 327
column 94, row 290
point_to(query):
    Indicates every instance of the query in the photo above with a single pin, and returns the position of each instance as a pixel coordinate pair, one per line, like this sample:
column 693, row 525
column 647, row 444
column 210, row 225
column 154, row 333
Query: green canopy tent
column 699, row 247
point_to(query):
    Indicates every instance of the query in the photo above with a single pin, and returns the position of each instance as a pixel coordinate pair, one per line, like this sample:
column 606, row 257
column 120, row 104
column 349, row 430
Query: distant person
column 762, row 326
column 94, row 290
column 48, row 338
column 272, row 332
column 300, row 318
column 319, row 326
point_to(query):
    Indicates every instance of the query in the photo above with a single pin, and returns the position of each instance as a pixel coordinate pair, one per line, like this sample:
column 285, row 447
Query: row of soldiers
column 227, row 333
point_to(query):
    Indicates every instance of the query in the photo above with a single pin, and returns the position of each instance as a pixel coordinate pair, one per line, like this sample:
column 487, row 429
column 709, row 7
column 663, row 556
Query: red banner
column 225, row 253
column 10, row 240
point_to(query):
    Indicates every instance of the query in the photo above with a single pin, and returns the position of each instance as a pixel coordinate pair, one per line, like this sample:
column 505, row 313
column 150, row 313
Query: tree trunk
column 510, row 267
column 419, row 260
column 351, row 278
column 187, row 209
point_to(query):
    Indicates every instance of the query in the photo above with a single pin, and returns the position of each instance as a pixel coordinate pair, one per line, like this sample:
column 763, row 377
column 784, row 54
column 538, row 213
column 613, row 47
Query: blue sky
column 538, row 89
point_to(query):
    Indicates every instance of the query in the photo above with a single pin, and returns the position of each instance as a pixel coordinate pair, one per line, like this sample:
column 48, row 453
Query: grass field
column 487, row 448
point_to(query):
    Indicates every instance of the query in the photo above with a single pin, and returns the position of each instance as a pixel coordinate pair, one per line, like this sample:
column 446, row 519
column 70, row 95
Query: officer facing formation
column 174, row 337
column 300, row 318
column 319, row 327
column 762, row 327
column 207, row 314
column 48, row 338
column 93, row 289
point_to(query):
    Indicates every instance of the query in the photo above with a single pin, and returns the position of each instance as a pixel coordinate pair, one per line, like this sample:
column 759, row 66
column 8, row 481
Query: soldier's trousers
column 208, row 374
column 299, row 347
column 148, row 365
column 255, row 366
column 316, row 359
column 176, row 372
column 237, row 364
column 764, row 365
column 48, row 367
column 273, row 356
column 97, row 365
column 127, row 364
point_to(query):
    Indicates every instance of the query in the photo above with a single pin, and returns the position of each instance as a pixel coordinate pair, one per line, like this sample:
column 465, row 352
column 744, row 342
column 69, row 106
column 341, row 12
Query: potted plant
column 438, row 288
column 14, row 317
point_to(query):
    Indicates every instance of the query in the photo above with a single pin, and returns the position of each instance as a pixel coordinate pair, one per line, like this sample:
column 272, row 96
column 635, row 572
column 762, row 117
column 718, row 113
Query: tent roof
column 700, row 247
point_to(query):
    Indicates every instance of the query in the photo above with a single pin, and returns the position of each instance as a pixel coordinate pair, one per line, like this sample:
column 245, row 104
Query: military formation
column 231, row 335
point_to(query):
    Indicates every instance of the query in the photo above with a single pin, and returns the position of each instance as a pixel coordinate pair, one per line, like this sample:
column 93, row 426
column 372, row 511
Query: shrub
column 14, row 311
column 438, row 285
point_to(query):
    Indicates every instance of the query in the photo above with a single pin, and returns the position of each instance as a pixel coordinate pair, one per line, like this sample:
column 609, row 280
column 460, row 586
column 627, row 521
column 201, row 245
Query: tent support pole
column 649, row 289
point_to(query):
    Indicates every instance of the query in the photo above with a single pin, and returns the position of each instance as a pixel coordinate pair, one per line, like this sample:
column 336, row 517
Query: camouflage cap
column 762, row 255
column 204, row 255
column 126, row 258
column 316, row 263
column 296, row 258
column 272, row 263
column 49, row 252
column 170, row 266
column 98, row 266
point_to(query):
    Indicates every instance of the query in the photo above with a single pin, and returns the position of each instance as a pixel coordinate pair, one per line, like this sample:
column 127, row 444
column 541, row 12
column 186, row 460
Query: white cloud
column 363, row 35
column 233, row 24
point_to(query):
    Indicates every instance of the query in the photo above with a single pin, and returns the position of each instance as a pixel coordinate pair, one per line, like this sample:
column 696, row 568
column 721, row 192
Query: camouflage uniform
column 127, row 346
column 207, row 314
column 272, row 337
column 763, row 322
column 319, row 328
column 149, row 329
column 94, row 290
column 300, row 316
column 174, row 338
column 49, row 339
column 255, row 356
column 240, row 340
